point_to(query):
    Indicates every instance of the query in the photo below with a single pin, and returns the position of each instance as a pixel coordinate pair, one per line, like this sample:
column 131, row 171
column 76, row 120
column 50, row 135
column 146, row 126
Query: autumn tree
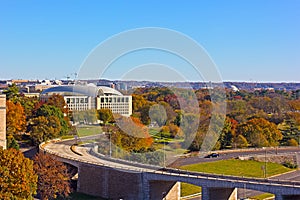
column 228, row 133
column 53, row 177
column 138, row 102
column 260, row 132
column 292, row 142
column 130, row 135
column 239, row 141
column 171, row 99
column 57, row 101
column 238, row 110
column 294, row 105
column 172, row 131
column 17, row 178
column 15, row 118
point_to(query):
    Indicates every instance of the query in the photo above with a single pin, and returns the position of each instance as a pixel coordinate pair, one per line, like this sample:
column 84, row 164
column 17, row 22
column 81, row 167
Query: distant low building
column 80, row 98
column 2, row 121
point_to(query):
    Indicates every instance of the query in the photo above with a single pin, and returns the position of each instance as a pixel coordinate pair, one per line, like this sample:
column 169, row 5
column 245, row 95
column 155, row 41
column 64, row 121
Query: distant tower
column 3, row 121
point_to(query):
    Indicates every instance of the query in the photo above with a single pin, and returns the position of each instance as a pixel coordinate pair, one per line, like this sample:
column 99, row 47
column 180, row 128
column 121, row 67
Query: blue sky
column 249, row 40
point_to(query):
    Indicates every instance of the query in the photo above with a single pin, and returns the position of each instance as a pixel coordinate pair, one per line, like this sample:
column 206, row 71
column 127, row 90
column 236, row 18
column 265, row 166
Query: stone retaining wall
column 277, row 158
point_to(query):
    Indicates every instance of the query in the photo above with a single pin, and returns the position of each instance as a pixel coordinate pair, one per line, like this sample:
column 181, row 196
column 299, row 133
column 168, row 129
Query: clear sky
column 249, row 40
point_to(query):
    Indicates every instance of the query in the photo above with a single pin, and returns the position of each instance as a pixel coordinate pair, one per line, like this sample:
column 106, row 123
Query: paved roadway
column 224, row 155
column 64, row 148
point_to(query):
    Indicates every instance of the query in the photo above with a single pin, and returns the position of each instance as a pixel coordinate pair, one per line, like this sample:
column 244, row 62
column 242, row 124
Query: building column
column 211, row 193
column 3, row 121
column 278, row 197
column 164, row 190
column 145, row 188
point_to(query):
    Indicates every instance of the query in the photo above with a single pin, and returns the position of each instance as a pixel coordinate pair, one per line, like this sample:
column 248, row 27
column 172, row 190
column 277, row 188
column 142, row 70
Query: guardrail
column 120, row 161
column 183, row 173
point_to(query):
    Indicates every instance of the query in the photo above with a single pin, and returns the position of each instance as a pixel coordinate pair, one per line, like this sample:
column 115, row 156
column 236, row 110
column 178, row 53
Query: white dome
column 88, row 90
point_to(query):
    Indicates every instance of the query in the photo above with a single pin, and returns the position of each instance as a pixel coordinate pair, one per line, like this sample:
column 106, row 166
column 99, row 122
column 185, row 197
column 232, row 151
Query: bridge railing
column 179, row 172
column 120, row 161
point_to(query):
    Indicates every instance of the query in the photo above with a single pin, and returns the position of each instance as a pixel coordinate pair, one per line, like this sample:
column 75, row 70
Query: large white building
column 79, row 98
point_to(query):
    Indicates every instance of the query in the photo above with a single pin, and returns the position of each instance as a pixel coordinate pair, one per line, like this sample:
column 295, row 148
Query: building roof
column 87, row 90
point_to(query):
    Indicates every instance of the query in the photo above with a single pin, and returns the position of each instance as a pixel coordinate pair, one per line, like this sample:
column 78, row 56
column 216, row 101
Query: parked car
column 212, row 155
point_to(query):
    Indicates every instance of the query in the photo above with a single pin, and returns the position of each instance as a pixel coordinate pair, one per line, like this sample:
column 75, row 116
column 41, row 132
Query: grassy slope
column 88, row 130
column 245, row 168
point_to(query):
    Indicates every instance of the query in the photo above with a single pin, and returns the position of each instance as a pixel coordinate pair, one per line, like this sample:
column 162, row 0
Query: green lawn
column 263, row 196
column 88, row 130
column 188, row 189
column 247, row 168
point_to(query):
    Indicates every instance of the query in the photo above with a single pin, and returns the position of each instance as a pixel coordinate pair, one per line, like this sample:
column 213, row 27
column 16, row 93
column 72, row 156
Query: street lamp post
column 164, row 155
column 109, row 144
column 265, row 163
column 164, row 152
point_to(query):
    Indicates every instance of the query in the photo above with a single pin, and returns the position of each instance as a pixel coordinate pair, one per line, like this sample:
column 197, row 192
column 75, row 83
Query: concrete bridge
column 114, row 180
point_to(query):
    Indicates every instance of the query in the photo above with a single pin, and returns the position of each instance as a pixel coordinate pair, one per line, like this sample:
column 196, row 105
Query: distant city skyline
column 253, row 41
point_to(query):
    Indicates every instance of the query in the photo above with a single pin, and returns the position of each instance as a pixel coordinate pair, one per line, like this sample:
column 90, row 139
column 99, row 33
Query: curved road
column 228, row 154
column 63, row 149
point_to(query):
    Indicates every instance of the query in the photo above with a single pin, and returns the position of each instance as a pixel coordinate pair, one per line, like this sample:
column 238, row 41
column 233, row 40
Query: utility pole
column 164, row 155
column 109, row 144
column 265, row 163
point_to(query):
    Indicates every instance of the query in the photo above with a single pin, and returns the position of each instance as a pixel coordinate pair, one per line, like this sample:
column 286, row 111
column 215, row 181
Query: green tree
column 44, row 128
column 12, row 143
column 28, row 104
column 144, row 115
column 12, row 93
column 50, row 110
column 53, row 177
column 105, row 115
column 290, row 128
column 17, row 178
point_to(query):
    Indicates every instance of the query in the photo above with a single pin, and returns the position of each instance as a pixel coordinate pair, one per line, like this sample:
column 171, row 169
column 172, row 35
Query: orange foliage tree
column 15, row 118
column 53, row 178
column 260, row 132
column 17, row 178
column 130, row 135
